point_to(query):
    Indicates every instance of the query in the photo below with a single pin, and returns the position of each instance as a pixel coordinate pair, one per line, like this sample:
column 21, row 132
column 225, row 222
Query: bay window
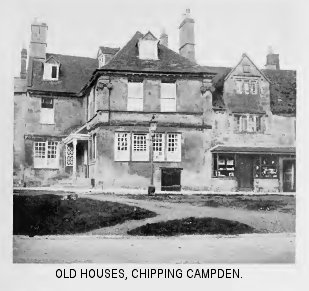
column 136, row 146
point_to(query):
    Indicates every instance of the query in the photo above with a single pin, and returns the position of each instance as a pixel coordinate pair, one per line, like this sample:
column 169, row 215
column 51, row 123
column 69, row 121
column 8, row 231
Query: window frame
column 215, row 165
column 132, row 104
column 44, row 159
column 242, row 119
column 165, row 97
column 258, row 166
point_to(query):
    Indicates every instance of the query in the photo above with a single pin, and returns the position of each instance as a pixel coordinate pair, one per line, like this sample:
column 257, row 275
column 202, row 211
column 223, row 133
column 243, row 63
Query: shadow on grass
column 48, row 214
column 192, row 225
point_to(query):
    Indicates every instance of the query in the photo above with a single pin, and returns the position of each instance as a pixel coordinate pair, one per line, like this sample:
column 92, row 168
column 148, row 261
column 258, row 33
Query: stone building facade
column 215, row 129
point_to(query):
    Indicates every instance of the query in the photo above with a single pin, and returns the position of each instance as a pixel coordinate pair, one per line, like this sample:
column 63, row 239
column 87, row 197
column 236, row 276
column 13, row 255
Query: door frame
column 237, row 172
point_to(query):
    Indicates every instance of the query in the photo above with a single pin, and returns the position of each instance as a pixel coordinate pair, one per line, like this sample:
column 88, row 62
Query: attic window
column 246, row 68
column 148, row 47
column 101, row 60
column 51, row 72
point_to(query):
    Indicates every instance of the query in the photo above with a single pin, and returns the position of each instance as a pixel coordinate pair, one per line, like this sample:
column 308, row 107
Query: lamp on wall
column 152, row 128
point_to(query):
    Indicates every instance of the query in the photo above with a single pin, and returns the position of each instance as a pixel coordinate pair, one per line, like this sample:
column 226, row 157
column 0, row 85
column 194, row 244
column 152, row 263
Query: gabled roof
column 109, row 50
column 149, row 36
column 282, row 89
column 244, row 55
column 74, row 72
column 169, row 61
column 48, row 60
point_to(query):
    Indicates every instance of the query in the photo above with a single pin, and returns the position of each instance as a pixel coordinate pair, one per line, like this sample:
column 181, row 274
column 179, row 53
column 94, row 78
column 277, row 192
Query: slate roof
column 169, row 61
column 74, row 72
column 282, row 89
column 109, row 50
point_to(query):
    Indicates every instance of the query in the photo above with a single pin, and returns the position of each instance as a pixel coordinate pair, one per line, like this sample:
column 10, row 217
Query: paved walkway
column 249, row 248
column 272, row 221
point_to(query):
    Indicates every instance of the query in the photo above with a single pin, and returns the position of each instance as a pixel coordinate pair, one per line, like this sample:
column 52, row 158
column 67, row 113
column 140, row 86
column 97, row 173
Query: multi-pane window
column 246, row 86
column 246, row 68
column 266, row 166
column 248, row 123
column 122, row 146
column 140, row 147
column 168, row 97
column 136, row 146
column 45, row 154
column 135, row 96
column 173, row 146
column 39, row 150
column 223, row 165
column 47, row 111
column 158, row 147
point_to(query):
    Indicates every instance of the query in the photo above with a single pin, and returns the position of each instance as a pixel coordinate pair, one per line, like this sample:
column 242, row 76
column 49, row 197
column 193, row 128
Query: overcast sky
column 223, row 29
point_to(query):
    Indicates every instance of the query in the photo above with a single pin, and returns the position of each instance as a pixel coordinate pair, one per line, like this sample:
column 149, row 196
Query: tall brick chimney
column 186, row 37
column 164, row 38
column 38, row 41
column 23, row 64
column 272, row 60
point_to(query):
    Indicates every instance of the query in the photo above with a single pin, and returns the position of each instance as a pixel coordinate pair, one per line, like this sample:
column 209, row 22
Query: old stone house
column 215, row 128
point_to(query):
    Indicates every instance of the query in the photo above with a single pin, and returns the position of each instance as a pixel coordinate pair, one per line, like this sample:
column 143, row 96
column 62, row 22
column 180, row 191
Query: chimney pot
column 164, row 38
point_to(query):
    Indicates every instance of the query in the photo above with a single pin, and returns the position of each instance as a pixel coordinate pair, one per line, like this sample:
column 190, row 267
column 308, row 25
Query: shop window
column 266, row 167
column 46, row 154
column 223, row 165
column 135, row 96
column 168, row 97
column 47, row 115
column 122, row 146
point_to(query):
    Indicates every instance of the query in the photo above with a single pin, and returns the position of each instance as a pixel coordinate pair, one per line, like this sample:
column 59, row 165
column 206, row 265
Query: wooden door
column 289, row 177
column 170, row 179
column 244, row 172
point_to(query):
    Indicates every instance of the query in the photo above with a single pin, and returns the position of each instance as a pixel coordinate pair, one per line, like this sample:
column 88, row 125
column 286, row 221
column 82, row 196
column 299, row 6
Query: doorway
column 289, row 175
column 171, row 179
column 244, row 172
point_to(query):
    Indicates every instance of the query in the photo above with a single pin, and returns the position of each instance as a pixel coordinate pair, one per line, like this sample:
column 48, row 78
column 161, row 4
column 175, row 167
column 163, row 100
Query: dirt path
column 271, row 221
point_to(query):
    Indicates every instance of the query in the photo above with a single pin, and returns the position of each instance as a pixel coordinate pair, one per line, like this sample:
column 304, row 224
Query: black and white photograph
column 156, row 132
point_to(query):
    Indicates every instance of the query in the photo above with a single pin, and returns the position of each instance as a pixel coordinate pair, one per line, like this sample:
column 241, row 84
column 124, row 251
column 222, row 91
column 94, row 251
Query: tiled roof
column 282, row 89
column 74, row 72
column 109, row 50
column 169, row 61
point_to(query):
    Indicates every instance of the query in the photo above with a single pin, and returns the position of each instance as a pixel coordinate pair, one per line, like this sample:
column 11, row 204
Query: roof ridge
column 73, row 56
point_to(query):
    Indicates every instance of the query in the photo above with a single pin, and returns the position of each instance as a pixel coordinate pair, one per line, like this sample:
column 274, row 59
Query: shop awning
column 255, row 150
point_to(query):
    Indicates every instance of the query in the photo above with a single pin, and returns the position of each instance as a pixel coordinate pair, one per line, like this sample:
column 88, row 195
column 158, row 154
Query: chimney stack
column 186, row 37
column 164, row 38
column 272, row 60
column 23, row 64
column 38, row 41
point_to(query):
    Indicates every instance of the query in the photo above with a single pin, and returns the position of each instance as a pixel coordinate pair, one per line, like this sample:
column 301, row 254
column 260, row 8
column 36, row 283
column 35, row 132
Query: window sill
column 224, row 177
column 47, row 123
column 45, row 168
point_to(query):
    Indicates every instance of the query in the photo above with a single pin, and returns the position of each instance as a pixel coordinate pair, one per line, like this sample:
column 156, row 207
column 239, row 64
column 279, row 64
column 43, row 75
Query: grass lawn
column 282, row 203
column 48, row 214
column 193, row 225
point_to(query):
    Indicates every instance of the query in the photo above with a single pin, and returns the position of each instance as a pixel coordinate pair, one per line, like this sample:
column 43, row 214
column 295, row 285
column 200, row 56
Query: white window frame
column 140, row 146
column 168, row 97
column 47, row 75
column 135, row 96
column 173, row 147
column 158, row 142
column 46, row 154
column 122, row 146
column 239, row 86
column 47, row 115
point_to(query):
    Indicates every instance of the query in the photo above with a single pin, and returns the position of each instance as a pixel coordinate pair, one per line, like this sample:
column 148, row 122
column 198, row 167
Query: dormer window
column 148, row 47
column 101, row 60
column 51, row 70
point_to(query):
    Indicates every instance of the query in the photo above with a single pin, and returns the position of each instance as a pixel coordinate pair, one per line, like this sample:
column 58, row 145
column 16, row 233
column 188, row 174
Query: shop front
column 258, row 169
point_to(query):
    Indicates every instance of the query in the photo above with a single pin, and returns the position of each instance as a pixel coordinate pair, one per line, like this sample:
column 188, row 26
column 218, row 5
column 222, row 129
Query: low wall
column 266, row 185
